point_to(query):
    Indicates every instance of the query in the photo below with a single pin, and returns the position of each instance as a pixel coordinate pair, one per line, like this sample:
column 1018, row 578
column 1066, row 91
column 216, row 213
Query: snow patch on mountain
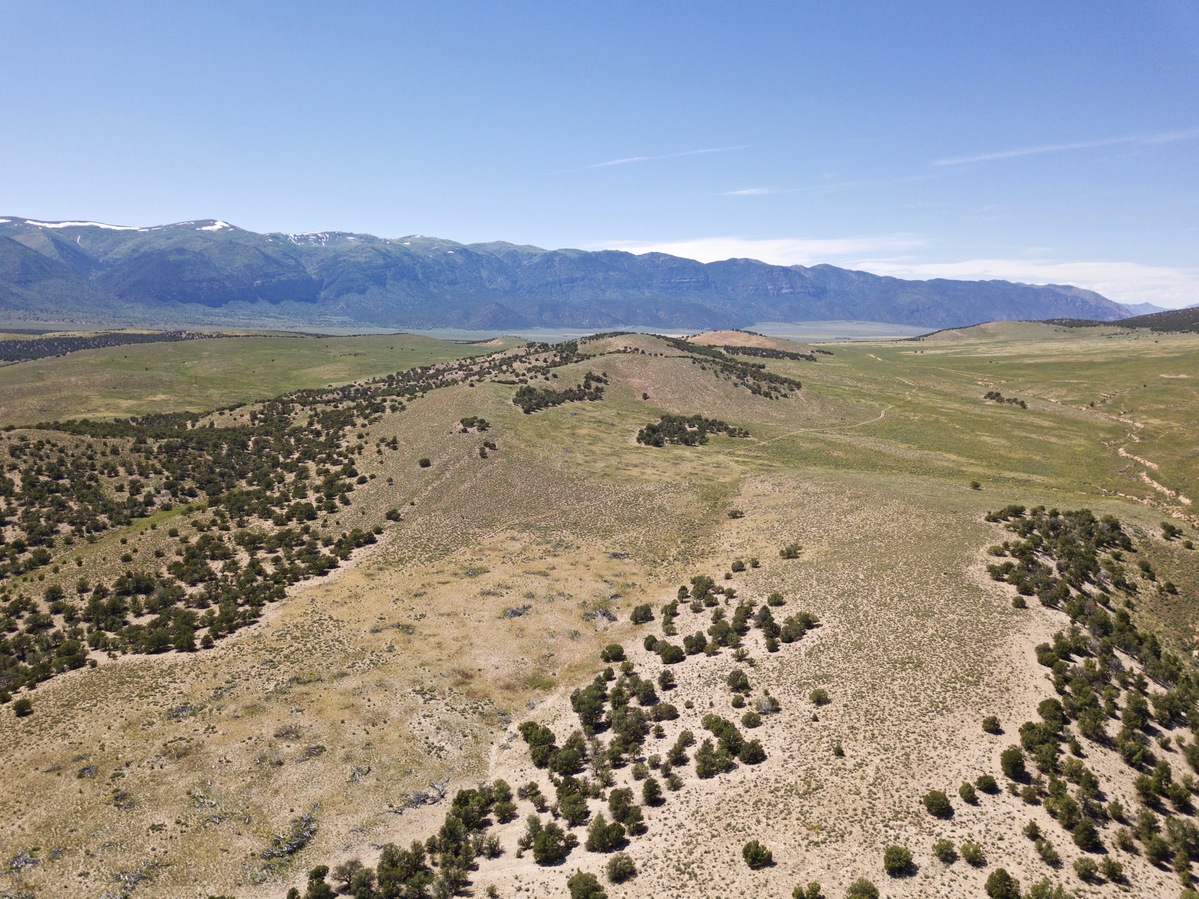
column 83, row 225
column 215, row 226
column 319, row 238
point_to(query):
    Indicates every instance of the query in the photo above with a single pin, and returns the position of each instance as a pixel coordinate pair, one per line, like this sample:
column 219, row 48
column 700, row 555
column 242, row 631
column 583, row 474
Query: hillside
column 210, row 273
column 1169, row 320
column 286, row 632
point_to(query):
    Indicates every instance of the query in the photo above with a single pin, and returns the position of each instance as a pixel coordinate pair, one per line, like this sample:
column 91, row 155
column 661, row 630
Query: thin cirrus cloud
column 759, row 191
column 1163, row 137
column 630, row 160
column 827, row 187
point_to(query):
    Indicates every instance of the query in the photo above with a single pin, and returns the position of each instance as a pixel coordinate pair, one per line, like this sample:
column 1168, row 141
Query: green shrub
column 973, row 854
column 751, row 753
column 1011, row 762
column 669, row 653
column 819, row 697
column 987, row 784
column 790, row 551
column 1112, row 869
column 1048, row 854
column 23, row 707
column 937, row 804
column 552, row 844
column 613, row 652
column 642, row 614
column 621, row 868
column 897, row 861
column 1002, row 885
column 572, row 807
column 756, row 855
column 602, row 836
column 583, row 885
column 1086, row 836
column 991, row 725
column 1086, row 868
column 862, row 889
column 663, row 711
column 1044, row 889
column 966, row 791
column 651, row 792
column 944, row 851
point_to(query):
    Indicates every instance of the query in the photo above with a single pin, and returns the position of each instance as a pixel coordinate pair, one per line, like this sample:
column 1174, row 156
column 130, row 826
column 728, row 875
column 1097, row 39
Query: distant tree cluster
column 532, row 399
column 768, row 353
column 18, row 350
column 997, row 397
column 752, row 376
column 686, row 431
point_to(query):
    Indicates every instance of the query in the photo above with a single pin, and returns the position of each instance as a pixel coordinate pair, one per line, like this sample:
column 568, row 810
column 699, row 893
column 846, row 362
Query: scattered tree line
column 997, row 397
column 533, row 399
column 22, row 350
column 605, row 776
column 768, row 353
column 1076, row 562
column 245, row 496
column 686, row 431
column 752, row 376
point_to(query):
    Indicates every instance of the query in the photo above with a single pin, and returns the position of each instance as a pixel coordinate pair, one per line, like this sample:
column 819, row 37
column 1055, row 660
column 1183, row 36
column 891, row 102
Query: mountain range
column 211, row 272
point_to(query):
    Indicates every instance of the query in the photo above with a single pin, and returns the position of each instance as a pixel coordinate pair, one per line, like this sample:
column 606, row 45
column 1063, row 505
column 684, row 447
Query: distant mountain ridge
column 208, row 270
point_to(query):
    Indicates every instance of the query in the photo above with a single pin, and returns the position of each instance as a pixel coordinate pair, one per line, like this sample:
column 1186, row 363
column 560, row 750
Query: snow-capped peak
column 83, row 225
column 215, row 226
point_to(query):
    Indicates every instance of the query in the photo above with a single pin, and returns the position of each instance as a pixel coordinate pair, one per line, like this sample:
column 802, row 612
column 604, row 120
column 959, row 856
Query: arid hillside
column 667, row 597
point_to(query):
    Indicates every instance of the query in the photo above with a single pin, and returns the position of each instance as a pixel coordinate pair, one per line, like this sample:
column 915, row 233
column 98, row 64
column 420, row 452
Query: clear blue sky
column 1027, row 140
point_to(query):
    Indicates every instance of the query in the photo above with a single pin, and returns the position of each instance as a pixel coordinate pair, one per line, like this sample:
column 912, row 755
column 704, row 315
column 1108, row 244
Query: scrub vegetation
column 865, row 636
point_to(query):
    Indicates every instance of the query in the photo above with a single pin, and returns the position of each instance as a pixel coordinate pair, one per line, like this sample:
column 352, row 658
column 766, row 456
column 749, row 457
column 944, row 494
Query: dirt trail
column 1123, row 453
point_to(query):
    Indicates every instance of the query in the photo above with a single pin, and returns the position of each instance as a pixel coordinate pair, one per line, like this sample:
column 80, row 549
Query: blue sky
column 1041, row 142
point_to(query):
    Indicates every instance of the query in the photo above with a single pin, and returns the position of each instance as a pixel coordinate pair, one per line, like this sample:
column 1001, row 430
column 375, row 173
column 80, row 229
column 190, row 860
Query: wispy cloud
column 904, row 255
column 1124, row 282
column 630, row 160
column 777, row 251
column 827, row 186
column 759, row 191
column 1164, row 137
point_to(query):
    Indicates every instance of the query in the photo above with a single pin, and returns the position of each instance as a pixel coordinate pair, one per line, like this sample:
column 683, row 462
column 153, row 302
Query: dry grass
column 404, row 667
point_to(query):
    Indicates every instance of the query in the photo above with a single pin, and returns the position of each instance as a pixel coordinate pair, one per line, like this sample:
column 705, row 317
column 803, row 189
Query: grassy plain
column 487, row 602
column 199, row 375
